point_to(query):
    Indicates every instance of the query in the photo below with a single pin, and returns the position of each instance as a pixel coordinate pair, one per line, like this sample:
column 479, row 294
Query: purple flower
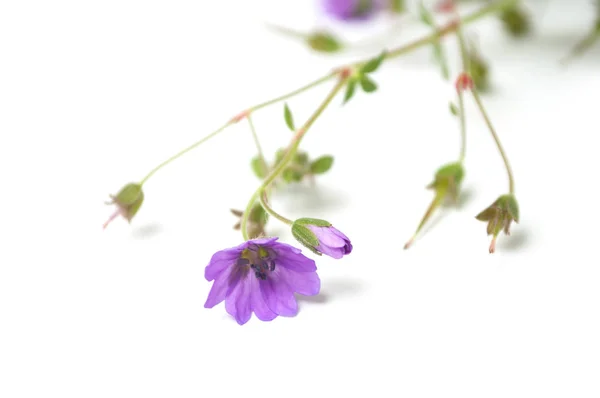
column 321, row 237
column 260, row 276
column 347, row 10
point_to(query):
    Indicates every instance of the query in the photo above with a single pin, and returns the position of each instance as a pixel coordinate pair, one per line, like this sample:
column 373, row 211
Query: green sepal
column 324, row 42
column 367, row 84
column 306, row 237
column 373, row 64
column 321, row 165
column 313, row 221
column 350, row 89
column 258, row 167
column 289, row 119
column 512, row 206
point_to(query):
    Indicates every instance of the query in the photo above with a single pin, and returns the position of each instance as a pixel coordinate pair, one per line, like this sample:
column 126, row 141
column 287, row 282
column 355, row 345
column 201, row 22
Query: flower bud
column 321, row 237
column 515, row 21
column 128, row 201
column 446, row 185
column 499, row 215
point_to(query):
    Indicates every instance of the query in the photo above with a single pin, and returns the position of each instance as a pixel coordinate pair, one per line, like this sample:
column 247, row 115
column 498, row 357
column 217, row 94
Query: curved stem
column 183, row 152
column 265, row 204
column 257, row 143
column 292, row 147
column 511, row 181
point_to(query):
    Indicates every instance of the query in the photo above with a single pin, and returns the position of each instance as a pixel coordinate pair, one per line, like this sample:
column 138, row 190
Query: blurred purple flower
column 347, row 10
column 260, row 276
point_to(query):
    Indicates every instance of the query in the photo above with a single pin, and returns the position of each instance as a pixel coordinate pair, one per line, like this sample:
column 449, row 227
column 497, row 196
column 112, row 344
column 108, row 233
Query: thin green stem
column 244, row 223
column 257, row 143
column 292, row 147
column 302, row 89
column 463, row 126
column 511, row 182
column 264, row 201
column 183, row 152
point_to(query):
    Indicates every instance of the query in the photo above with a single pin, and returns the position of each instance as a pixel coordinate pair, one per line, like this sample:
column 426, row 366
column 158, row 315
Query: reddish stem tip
column 464, row 82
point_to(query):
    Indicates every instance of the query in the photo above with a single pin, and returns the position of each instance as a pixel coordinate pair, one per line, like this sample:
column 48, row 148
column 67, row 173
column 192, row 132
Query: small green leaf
column 324, row 42
column 367, row 84
column 321, row 165
column 289, row 119
column 453, row 109
column 350, row 89
column 425, row 15
column 258, row 167
column 374, row 64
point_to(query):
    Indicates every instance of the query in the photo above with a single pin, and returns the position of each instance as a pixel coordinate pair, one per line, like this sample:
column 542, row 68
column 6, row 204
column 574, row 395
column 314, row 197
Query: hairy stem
column 264, row 201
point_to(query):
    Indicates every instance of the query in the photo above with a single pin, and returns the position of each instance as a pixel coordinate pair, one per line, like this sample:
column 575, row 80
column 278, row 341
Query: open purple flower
column 347, row 10
column 321, row 237
column 260, row 276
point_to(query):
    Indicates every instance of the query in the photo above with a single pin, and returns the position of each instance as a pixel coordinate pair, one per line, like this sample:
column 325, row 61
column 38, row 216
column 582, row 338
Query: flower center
column 260, row 261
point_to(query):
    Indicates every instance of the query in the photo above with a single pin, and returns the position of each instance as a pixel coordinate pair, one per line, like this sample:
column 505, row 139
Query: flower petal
column 219, row 289
column 305, row 283
column 220, row 261
column 278, row 295
column 238, row 302
column 259, row 306
column 292, row 258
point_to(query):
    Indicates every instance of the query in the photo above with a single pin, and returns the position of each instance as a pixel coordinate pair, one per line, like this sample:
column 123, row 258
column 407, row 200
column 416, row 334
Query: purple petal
column 305, row 283
column 219, row 289
column 292, row 258
column 238, row 303
column 278, row 295
column 220, row 261
column 260, row 307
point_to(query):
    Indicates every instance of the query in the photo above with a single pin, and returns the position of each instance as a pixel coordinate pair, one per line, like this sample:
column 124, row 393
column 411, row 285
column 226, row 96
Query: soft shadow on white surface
column 332, row 290
column 146, row 231
column 519, row 239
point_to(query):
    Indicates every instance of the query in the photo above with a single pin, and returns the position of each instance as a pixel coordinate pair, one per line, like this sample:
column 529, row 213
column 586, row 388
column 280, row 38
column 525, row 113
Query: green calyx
column 305, row 236
column 129, row 199
column 448, row 179
column 500, row 214
column 313, row 221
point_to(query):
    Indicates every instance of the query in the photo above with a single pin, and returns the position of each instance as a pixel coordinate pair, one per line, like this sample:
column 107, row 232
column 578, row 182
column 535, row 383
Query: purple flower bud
column 321, row 237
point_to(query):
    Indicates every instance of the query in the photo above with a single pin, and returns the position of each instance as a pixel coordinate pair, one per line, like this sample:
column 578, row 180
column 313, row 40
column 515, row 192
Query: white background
column 95, row 93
